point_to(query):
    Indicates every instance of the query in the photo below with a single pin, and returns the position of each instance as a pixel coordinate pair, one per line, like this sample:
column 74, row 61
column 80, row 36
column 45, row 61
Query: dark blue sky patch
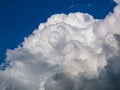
column 18, row 18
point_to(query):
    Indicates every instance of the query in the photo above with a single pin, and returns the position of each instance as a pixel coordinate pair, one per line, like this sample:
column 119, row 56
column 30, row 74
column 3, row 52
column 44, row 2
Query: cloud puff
column 68, row 52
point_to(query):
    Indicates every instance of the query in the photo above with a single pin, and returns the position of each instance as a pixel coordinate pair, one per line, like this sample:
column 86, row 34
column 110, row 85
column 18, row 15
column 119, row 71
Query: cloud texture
column 68, row 52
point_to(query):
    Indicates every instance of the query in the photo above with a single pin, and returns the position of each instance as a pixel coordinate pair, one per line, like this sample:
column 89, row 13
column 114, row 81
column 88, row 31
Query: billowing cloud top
column 68, row 52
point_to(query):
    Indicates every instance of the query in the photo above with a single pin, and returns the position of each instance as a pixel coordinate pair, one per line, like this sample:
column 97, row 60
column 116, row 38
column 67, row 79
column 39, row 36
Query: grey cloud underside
column 68, row 52
column 108, row 79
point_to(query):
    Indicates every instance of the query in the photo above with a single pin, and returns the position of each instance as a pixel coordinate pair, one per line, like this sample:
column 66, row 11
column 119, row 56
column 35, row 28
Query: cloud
column 68, row 52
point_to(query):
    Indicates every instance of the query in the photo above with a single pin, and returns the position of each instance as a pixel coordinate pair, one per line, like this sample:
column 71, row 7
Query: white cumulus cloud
column 68, row 52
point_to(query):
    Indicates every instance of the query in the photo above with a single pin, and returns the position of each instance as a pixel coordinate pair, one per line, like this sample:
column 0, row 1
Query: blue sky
column 18, row 18
column 71, row 51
